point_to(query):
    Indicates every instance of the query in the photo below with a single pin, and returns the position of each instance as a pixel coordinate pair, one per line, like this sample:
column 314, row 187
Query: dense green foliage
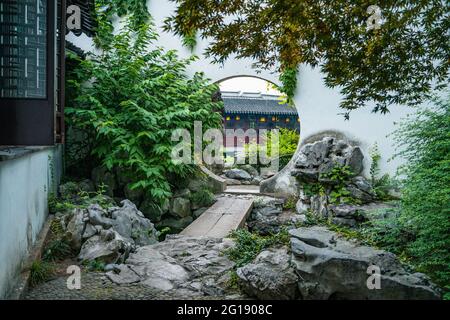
column 391, row 65
column 202, row 198
column 425, row 206
column 41, row 271
column 381, row 185
column 130, row 98
column 57, row 249
column 335, row 182
column 249, row 245
column 287, row 145
column 105, row 10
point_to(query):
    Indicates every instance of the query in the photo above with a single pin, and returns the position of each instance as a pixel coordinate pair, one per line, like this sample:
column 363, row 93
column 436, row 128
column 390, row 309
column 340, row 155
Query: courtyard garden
column 119, row 212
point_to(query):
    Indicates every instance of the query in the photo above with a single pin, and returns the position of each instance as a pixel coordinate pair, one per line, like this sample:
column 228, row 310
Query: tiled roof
column 246, row 105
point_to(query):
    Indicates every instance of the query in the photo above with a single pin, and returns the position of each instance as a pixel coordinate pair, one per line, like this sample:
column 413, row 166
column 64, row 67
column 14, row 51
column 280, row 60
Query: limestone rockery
column 313, row 166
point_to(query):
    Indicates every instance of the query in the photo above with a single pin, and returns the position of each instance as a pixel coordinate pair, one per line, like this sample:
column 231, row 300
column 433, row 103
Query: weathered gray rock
column 175, row 224
column 68, row 190
column 107, row 247
column 306, row 175
column 72, row 189
column 270, row 276
column 319, row 205
column 122, row 274
column 281, row 184
column 371, row 211
column 268, row 211
column 194, row 266
column 97, row 216
column 345, row 222
column 183, row 193
column 355, row 160
column 267, row 216
column 237, row 174
column 264, row 201
column 332, row 268
column 90, row 231
column 232, row 182
column 250, row 170
column 108, row 234
column 75, row 228
column 344, row 211
column 180, row 207
column 362, row 196
column 301, row 207
column 256, row 180
column 129, row 222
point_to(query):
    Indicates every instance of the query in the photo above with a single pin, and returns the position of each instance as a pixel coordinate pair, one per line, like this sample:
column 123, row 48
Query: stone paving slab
column 226, row 215
column 243, row 189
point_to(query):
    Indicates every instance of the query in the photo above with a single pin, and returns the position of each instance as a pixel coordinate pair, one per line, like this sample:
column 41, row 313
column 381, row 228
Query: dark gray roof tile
column 256, row 106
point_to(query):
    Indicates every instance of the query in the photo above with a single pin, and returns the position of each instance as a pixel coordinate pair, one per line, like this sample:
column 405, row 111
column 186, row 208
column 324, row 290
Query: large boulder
column 107, row 247
column 330, row 267
column 270, row 276
column 129, row 222
column 312, row 167
column 267, row 216
column 353, row 215
column 75, row 228
column 238, row 174
column 321, row 156
column 108, row 234
column 98, row 216
column 354, row 159
column 250, row 170
column 180, row 207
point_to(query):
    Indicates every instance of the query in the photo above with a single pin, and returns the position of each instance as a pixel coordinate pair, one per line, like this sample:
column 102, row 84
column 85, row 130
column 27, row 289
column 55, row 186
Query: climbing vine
column 106, row 10
column 288, row 80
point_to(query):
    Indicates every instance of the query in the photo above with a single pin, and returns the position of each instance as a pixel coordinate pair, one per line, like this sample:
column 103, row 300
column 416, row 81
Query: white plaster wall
column 317, row 105
column 25, row 183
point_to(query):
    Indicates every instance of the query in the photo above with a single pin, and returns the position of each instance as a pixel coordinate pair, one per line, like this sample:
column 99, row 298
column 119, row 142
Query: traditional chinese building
column 255, row 111
column 258, row 111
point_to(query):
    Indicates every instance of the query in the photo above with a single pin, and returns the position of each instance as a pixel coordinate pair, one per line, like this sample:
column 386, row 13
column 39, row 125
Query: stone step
column 226, row 215
column 243, row 189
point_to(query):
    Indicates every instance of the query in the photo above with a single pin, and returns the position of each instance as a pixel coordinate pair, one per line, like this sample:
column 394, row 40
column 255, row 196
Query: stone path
column 243, row 189
column 227, row 214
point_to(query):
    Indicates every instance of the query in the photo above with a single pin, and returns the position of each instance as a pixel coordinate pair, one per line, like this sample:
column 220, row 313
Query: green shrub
column 424, row 141
column 136, row 97
column 203, row 198
column 95, row 265
column 249, row 245
column 57, row 249
column 336, row 182
column 381, row 185
column 290, row 203
column 288, row 142
column 40, row 271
